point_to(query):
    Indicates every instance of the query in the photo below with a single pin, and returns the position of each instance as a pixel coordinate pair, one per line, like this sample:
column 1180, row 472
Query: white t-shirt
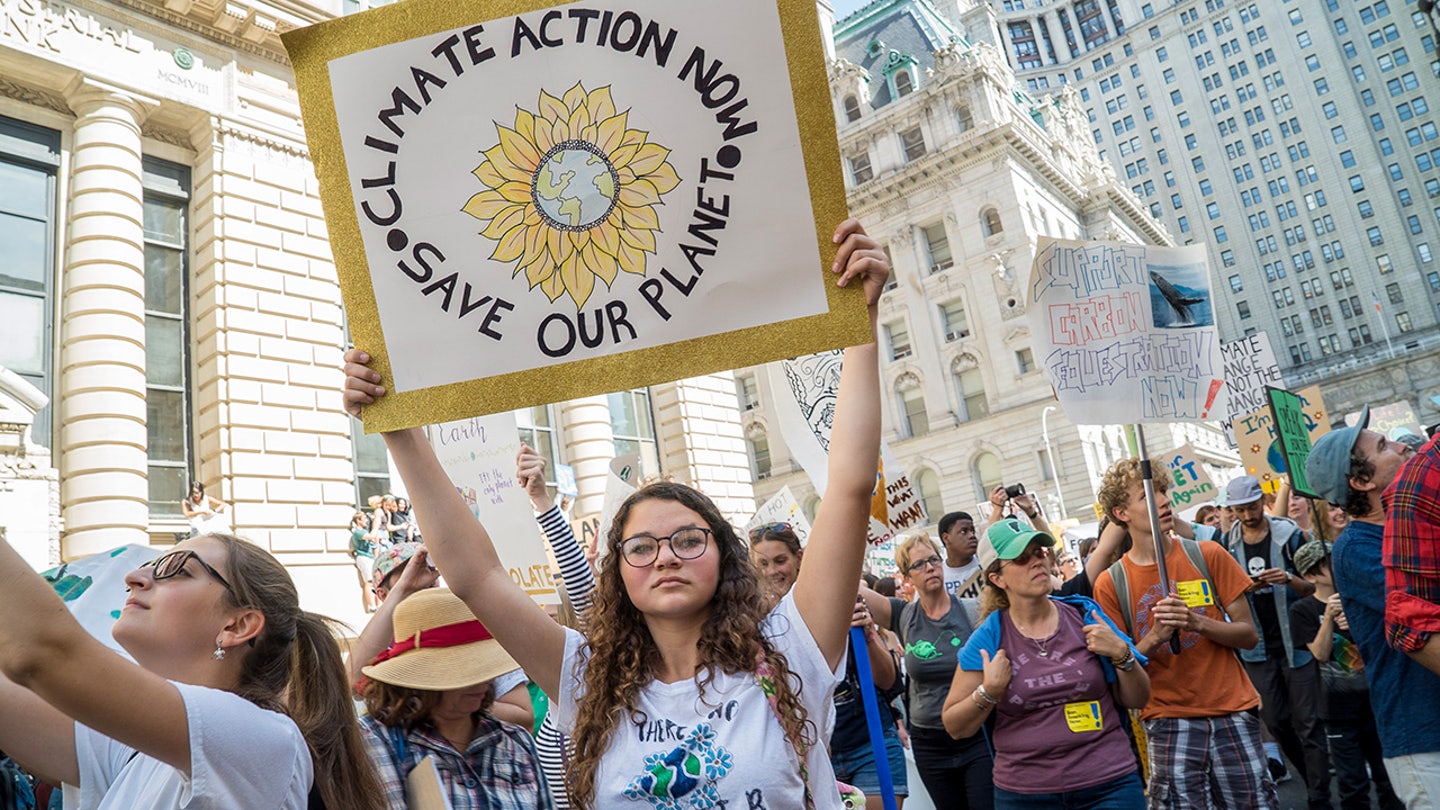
column 955, row 579
column 726, row 749
column 241, row 756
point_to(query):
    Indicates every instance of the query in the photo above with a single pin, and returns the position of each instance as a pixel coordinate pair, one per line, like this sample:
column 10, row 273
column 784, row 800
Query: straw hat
column 439, row 645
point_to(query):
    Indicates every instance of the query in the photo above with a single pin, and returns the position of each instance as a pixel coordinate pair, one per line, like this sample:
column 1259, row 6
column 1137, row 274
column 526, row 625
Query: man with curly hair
column 1201, row 723
column 1357, row 468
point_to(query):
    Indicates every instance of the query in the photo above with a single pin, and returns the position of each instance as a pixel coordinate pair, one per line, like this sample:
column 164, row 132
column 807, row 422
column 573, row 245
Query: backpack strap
column 1122, row 594
column 1197, row 559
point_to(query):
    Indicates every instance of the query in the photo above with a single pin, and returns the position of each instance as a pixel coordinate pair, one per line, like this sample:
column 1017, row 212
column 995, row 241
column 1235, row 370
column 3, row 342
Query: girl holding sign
column 1058, row 676
column 235, row 699
column 683, row 692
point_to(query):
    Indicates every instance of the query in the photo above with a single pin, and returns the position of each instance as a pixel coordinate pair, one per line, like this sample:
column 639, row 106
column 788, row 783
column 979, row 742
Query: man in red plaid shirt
column 1412, row 559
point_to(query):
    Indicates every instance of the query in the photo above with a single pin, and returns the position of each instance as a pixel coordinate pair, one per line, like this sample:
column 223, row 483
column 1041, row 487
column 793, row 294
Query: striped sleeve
column 574, row 569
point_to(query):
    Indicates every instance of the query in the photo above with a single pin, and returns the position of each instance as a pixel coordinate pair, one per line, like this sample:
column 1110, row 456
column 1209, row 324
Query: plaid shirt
column 498, row 771
column 1412, row 552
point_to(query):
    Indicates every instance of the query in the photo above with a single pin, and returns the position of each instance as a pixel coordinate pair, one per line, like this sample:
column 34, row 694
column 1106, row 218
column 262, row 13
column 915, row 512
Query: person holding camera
column 1014, row 501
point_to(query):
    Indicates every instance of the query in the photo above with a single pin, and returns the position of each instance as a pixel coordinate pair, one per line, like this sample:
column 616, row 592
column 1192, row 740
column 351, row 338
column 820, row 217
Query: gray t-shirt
column 932, row 651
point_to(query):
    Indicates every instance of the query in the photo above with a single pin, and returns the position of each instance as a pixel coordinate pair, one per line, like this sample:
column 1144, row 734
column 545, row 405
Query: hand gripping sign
column 531, row 203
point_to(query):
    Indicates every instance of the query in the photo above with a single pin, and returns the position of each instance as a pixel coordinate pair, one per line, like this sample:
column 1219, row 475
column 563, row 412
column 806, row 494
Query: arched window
column 927, row 483
column 852, row 108
column 759, row 446
column 903, row 83
column 987, row 475
column 914, row 421
column 966, row 120
column 990, row 222
column 970, row 386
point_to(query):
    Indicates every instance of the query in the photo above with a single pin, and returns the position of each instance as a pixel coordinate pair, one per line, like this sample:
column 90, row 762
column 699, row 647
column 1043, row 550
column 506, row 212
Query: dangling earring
column 219, row 653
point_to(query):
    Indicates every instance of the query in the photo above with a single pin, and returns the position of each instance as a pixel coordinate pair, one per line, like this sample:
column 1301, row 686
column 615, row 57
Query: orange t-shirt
column 1206, row 679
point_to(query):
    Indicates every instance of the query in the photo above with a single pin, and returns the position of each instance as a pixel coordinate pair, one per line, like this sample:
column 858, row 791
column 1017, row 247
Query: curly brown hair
column 730, row 642
column 405, row 708
column 1115, row 488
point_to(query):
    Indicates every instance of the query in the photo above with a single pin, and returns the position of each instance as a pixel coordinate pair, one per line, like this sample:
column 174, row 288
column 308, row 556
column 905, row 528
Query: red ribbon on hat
column 449, row 635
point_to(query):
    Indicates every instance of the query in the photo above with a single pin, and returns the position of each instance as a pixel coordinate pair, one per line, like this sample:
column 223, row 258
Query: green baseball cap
column 1310, row 555
column 1007, row 540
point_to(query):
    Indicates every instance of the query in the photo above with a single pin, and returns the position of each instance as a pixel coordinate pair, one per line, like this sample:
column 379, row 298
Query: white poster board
column 479, row 456
column 1249, row 367
column 1126, row 333
column 783, row 508
column 94, row 588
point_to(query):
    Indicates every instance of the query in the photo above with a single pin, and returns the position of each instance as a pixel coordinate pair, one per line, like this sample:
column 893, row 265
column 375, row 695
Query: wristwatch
column 1127, row 663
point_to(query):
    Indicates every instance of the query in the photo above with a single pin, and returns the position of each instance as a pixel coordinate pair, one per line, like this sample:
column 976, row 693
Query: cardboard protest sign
column 1393, row 420
column 1126, row 333
column 1260, row 453
column 94, row 588
column 783, row 508
column 1292, row 433
column 479, row 456
column 1249, row 367
column 530, row 203
column 805, row 418
column 1188, row 480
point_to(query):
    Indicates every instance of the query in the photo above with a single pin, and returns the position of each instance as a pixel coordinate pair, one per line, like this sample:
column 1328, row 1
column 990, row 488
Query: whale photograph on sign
column 1180, row 296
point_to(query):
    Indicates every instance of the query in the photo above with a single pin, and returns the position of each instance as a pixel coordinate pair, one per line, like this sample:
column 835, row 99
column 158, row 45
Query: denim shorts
column 856, row 766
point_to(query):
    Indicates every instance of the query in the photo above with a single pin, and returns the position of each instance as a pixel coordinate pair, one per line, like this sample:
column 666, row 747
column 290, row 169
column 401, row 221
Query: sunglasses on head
column 771, row 528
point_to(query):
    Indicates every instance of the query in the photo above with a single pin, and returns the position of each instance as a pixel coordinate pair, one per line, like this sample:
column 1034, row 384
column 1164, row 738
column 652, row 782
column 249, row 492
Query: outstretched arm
column 825, row 590
column 575, row 570
column 380, row 631
column 460, row 545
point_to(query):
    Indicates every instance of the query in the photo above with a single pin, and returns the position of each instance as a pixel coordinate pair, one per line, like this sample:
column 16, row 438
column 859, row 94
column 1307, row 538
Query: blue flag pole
column 872, row 715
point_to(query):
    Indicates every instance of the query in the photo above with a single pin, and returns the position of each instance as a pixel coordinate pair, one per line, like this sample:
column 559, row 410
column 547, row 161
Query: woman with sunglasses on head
column 956, row 773
column 1058, row 677
column 236, row 697
column 683, row 689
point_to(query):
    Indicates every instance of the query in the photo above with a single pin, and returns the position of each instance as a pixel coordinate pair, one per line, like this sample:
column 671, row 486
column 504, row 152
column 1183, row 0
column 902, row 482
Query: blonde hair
column 1115, row 488
column 905, row 550
column 992, row 597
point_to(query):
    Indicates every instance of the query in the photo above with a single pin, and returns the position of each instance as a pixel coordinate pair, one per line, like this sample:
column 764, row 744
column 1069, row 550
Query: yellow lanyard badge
column 1196, row 592
column 1083, row 716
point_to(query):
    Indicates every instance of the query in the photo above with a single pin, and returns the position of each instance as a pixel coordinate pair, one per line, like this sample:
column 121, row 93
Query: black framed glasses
column 642, row 550
column 171, row 564
column 925, row 563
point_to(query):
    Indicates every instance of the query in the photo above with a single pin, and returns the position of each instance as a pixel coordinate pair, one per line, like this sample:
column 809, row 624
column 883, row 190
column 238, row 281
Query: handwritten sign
column 632, row 191
column 1260, row 453
column 1249, row 367
column 479, row 456
column 805, row 418
column 1188, row 480
column 1126, row 333
column 1393, row 420
column 1293, row 435
column 783, row 508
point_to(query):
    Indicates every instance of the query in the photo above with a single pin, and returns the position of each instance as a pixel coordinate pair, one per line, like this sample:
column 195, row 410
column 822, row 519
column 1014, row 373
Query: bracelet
column 981, row 694
column 979, row 702
column 1126, row 663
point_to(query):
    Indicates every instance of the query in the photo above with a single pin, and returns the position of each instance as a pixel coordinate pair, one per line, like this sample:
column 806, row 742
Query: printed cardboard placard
column 1260, row 451
column 1126, row 333
column 530, row 203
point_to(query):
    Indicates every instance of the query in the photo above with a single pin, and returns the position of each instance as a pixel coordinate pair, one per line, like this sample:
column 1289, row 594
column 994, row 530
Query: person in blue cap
column 1057, row 674
column 1353, row 467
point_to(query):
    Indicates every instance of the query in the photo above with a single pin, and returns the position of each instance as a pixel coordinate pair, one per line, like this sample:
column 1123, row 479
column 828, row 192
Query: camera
column 1014, row 491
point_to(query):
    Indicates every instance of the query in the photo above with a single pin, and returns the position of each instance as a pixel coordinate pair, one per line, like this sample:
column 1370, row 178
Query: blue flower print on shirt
column 683, row 778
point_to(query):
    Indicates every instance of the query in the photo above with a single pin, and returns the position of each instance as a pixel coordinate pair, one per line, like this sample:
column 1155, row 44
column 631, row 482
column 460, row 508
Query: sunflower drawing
column 571, row 193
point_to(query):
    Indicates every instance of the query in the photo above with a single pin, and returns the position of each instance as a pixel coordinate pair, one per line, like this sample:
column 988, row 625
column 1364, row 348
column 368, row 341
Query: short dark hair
column 949, row 520
column 1357, row 503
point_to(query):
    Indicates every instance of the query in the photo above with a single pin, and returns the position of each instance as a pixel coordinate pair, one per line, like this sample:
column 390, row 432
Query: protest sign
column 1249, row 367
column 479, row 456
column 1126, row 333
column 1393, row 420
column 94, row 588
column 1188, row 480
column 1260, row 453
column 806, row 416
column 1292, row 433
column 783, row 508
column 529, row 203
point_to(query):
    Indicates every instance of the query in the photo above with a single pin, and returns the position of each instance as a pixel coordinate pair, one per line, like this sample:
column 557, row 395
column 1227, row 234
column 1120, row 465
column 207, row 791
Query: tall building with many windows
column 1296, row 140
column 958, row 172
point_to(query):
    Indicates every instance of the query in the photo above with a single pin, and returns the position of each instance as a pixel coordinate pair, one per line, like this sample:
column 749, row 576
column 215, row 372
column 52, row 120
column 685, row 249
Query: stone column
column 103, row 495
column 590, row 446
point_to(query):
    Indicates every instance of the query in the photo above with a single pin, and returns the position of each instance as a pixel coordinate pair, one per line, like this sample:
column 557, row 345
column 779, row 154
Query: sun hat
column 392, row 558
column 1007, row 540
column 1328, row 467
column 1310, row 555
column 1242, row 490
column 439, row 645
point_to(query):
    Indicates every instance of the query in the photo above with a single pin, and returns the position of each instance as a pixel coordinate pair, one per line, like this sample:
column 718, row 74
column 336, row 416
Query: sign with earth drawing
column 530, row 203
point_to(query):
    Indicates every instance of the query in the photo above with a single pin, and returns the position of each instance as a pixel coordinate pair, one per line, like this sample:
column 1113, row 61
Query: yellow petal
column 610, row 132
column 621, row 157
column 538, row 272
column 553, row 286
column 574, row 97
column 600, row 104
column 600, row 264
column 505, row 166
column 634, row 137
column 579, row 120
column 589, row 133
column 551, row 109
column 650, row 157
column 625, row 176
column 560, row 131
column 510, row 246
column 534, row 246
column 507, row 220
column 516, row 192
column 533, row 217
column 605, row 236
column 639, row 238
column 641, row 192
column 580, row 239
column 632, row 260
column 641, row 219
column 556, row 245
column 664, row 178
column 579, row 281
column 525, row 124
column 489, row 175
column 486, row 205
column 518, row 149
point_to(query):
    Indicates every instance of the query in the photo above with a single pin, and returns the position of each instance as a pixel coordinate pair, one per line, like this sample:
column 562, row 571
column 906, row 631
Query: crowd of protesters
column 700, row 668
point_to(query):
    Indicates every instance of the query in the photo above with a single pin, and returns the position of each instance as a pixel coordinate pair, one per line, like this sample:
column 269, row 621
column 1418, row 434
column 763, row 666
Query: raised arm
column 379, row 632
column 575, row 570
column 1106, row 551
column 825, row 590
column 460, row 545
